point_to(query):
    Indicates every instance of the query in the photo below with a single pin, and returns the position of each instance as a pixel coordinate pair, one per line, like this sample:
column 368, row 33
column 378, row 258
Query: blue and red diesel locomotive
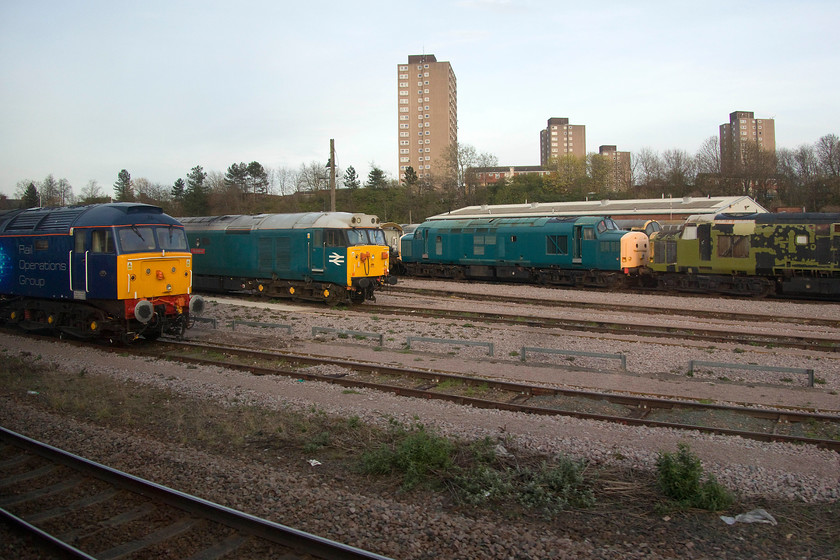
column 120, row 270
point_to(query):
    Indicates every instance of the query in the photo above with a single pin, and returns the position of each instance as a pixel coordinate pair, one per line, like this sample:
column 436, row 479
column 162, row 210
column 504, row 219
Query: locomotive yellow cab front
column 150, row 275
column 634, row 252
column 366, row 261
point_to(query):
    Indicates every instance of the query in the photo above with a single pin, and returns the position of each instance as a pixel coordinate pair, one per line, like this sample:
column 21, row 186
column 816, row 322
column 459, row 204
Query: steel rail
column 637, row 403
column 612, row 327
column 610, row 307
column 55, row 545
column 280, row 534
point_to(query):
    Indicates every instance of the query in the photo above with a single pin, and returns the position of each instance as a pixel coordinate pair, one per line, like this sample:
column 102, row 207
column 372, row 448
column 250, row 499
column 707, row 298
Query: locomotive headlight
column 169, row 287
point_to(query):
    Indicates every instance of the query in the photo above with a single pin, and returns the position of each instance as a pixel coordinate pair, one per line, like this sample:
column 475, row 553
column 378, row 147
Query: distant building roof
column 651, row 208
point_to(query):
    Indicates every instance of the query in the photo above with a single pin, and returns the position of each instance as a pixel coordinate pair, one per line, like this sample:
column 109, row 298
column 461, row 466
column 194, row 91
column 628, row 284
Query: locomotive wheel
column 357, row 296
column 333, row 295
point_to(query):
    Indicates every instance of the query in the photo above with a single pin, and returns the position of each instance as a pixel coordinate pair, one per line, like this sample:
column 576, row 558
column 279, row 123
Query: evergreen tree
column 178, row 190
column 351, row 179
column 30, row 197
column 195, row 195
column 237, row 177
column 410, row 180
column 257, row 178
column 122, row 188
column 376, row 179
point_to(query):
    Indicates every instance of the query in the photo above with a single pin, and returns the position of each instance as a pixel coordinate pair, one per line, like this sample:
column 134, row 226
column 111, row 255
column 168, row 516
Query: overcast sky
column 88, row 88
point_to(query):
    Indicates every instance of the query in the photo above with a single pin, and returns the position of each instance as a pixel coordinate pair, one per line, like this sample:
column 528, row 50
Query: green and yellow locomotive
column 754, row 254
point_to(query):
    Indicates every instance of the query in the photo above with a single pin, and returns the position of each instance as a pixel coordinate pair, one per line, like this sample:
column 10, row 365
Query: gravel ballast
column 757, row 470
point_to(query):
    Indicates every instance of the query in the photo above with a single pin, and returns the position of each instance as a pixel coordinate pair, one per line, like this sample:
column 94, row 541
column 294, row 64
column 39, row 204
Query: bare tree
column 648, row 170
column 151, row 193
column 828, row 153
column 799, row 173
column 285, row 180
column 65, row 192
column 49, row 192
column 757, row 172
column 312, row 177
column 708, row 167
column 679, row 171
column 92, row 192
column 707, row 158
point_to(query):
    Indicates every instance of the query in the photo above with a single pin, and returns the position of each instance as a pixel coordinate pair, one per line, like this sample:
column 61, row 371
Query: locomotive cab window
column 335, row 238
column 689, row 232
column 589, row 233
column 605, row 225
column 79, row 241
column 377, row 237
column 136, row 240
column 102, row 241
column 366, row 237
column 172, row 239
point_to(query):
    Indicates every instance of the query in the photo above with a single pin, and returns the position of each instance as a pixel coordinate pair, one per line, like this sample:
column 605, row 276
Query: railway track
column 75, row 508
column 726, row 333
column 698, row 334
column 764, row 424
column 611, row 307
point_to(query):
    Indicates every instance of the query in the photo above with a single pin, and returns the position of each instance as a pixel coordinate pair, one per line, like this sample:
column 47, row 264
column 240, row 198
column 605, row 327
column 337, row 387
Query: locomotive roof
column 786, row 218
column 509, row 221
column 61, row 219
column 281, row 221
column 643, row 207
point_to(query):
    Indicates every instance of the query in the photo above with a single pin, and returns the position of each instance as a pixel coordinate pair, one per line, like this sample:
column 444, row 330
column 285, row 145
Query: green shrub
column 681, row 479
column 482, row 484
column 555, row 487
column 416, row 454
column 476, row 475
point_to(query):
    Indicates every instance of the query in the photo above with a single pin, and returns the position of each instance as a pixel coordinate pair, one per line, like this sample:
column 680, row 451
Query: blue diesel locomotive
column 564, row 250
column 331, row 257
column 118, row 270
